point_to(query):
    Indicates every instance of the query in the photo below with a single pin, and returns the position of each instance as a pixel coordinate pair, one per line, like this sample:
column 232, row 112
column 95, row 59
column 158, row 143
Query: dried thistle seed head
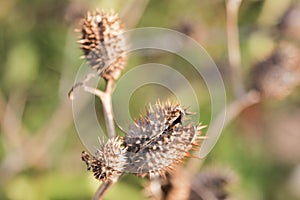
column 279, row 74
column 103, row 43
column 289, row 24
column 108, row 161
column 158, row 141
column 212, row 184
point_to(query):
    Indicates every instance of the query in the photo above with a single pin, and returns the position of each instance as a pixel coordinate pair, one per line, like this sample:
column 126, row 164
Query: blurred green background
column 39, row 147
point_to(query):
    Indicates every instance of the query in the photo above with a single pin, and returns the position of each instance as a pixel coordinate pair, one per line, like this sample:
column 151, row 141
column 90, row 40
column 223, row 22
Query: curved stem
column 233, row 110
column 155, row 186
column 102, row 190
column 232, row 8
column 107, row 108
column 106, row 99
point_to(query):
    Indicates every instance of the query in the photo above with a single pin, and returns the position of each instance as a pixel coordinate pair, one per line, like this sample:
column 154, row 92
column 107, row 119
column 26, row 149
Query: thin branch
column 132, row 18
column 94, row 91
column 232, row 8
column 105, row 98
column 155, row 186
column 11, row 123
column 103, row 189
column 233, row 110
column 12, row 164
column 107, row 108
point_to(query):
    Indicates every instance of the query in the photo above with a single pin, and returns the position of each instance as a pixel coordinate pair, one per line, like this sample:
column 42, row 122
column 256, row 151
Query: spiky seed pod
column 108, row 161
column 158, row 141
column 279, row 74
column 103, row 43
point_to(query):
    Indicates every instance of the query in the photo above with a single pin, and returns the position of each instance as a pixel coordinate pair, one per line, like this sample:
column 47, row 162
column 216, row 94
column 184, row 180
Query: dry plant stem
column 232, row 111
column 11, row 123
column 132, row 18
column 232, row 8
column 2, row 105
column 155, row 186
column 103, row 189
column 105, row 97
column 236, row 107
column 107, row 107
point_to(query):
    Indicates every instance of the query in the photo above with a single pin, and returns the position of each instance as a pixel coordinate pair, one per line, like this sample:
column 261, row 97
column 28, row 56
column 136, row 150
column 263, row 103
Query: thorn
column 202, row 137
column 199, row 127
column 71, row 94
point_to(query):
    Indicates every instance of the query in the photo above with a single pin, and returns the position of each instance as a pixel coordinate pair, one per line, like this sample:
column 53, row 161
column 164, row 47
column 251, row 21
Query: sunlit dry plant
column 156, row 142
column 160, row 139
column 103, row 43
column 279, row 74
column 152, row 145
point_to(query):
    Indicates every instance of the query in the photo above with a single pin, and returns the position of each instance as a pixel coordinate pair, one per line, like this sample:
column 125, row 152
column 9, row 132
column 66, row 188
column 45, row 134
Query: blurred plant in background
column 39, row 150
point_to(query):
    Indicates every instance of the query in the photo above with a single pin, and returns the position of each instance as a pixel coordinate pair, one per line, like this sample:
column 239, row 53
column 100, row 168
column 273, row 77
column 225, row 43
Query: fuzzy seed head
column 279, row 74
column 103, row 43
column 159, row 140
column 108, row 161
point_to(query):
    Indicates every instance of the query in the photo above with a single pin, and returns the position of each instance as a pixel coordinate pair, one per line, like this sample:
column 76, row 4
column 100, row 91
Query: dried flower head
column 108, row 161
column 279, row 74
column 212, row 184
column 289, row 24
column 103, row 43
column 159, row 140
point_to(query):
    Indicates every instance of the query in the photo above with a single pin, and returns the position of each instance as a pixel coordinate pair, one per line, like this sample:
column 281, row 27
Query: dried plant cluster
column 152, row 145
column 279, row 74
column 156, row 141
column 103, row 43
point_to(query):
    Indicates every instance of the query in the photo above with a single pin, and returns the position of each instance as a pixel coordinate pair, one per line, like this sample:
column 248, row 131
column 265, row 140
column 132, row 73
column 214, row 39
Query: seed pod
column 212, row 184
column 159, row 140
column 289, row 24
column 103, row 43
column 279, row 74
column 108, row 161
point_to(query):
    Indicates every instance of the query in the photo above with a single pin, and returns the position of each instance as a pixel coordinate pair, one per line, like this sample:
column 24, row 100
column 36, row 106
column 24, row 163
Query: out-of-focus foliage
column 38, row 55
